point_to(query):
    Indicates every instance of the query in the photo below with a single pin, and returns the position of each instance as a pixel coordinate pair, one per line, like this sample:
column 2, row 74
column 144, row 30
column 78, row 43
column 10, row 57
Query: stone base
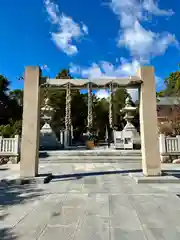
column 14, row 159
column 169, row 158
column 140, row 178
column 48, row 140
column 4, row 159
column 176, row 161
column 165, row 159
column 151, row 172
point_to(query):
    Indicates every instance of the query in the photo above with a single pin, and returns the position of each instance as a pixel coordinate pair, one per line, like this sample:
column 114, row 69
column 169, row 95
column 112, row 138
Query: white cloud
column 153, row 8
column 102, row 94
column 53, row 11
column 85, row 28
column 128, row 68
column 159, row 83
column 68, row 29
column 75, row 69
column 142, row 43
column 128, row 11
column 136, row 9
column 92, row 72
column 106, row 69
column 45, row 67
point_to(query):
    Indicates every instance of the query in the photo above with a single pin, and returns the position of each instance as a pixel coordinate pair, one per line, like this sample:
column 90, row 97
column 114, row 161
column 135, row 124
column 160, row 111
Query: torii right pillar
column 151, row 163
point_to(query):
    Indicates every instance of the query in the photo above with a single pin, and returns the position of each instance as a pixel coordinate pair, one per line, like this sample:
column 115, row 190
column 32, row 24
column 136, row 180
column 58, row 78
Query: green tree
column 16, row 103
column 11, row 129
column 172, row 85
column 4, row 100
column 118, row 104
column 79, row 112
column 9, row 107
column 10, row 110
column 58, row 101
column 172, row 92
column 101, row 116
column 64, row 74
column 17, row 95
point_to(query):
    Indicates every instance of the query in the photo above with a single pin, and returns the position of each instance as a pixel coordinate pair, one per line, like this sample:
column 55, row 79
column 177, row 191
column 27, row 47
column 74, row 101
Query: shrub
column 11, row 129
column 165, row 128
column 6, row 130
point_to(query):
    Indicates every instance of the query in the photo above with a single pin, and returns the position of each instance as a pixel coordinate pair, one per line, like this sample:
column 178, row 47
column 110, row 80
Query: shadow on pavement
column 14, row 195
column 17, row 194
column 76, row 176
column 4, row 169
column 174, row 173
column 7, row 234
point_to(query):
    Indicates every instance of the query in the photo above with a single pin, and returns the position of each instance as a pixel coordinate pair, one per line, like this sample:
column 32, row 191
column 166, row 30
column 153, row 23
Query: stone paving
column 108, row 206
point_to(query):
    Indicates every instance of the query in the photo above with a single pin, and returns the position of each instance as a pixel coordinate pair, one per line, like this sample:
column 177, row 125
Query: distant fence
column 10, row 146
column 169, row 144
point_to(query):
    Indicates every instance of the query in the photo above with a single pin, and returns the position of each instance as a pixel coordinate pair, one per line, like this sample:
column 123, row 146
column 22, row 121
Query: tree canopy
column 10, row 108
column 172, row 85
column 172, row 92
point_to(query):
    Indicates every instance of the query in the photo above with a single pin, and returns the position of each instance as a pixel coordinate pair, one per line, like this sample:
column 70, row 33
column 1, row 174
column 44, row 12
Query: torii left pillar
column 31, row 123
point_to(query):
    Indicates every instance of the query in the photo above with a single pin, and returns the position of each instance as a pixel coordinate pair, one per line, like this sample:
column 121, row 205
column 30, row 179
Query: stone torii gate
column 144, row 80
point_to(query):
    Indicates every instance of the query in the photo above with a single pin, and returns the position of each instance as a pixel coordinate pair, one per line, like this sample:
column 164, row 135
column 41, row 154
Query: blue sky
column 93, row 38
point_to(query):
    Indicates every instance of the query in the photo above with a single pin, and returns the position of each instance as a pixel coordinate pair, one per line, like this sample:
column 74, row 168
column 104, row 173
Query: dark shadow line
column 87, row 174
column 44, row 174
column 174, row 173
column 4, row 169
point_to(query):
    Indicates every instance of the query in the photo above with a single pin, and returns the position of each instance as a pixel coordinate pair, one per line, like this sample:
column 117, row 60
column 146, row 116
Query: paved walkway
column 100, row 206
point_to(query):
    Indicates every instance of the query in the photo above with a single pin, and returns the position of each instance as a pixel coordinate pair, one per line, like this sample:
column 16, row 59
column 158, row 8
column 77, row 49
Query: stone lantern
column 48, row 138
column 129, row 129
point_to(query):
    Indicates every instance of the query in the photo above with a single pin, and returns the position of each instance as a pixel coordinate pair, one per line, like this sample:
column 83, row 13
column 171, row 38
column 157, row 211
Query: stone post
column 1, row 138
column 90, row 114
column 162, row 144
column 72, row 132
column 162, row 148
column 31, row 123
column 68, row 116
column 178, row 138
column 15, row 158
column 61, row 138
column 110, row 106
column 151, row 163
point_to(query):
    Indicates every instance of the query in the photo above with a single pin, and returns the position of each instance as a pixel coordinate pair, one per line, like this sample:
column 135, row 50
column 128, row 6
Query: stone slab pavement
column 105, row 204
